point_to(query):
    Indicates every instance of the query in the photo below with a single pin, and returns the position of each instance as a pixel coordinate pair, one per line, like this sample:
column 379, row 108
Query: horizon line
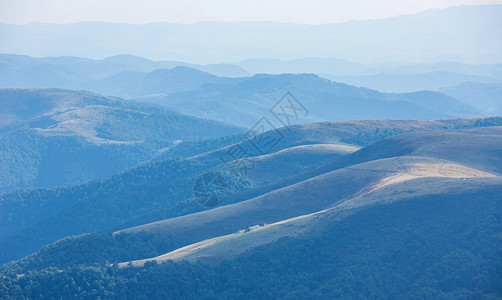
column 249, row 22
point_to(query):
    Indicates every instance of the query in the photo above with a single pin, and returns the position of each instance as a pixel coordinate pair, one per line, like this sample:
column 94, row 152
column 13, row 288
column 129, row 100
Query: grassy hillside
column 358, row 132
column 220, row 248
column 25, row 104
column 348, row 187
column 155, row 190
column 160, row 190
column 271, row 168
column 422, row 246
column 62, row 137
column 458, row 146
column 150, row 192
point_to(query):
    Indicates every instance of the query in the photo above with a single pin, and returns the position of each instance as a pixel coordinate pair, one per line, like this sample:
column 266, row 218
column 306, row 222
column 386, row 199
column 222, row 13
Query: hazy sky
column 191, row 11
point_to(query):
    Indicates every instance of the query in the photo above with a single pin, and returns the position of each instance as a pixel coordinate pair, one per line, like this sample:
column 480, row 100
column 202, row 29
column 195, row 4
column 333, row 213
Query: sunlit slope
column 307, row 197
column 358, row 132
column 152, row 191
column 479, row 148
column 270, row 168
column 402, row 167
column 62, row 137
column 24, row 104
column 161, row 190
column 401, row 178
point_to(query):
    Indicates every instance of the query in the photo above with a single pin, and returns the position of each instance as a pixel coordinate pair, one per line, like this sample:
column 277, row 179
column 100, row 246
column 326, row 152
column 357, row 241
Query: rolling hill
column 410, row 216
column 163, row 189
column 224, row 247
column 385, row 165
column 424, row 248
column 338, row 187
column 61, row 137
column 24, row 104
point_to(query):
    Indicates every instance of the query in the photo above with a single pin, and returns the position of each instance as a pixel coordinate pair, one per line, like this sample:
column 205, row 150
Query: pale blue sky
column 191, row 11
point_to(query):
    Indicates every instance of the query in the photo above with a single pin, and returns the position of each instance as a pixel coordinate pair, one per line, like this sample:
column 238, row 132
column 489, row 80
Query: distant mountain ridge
column 433, row 35
column 21, row 71
column 243, row 101
column 159, row 81
column 400, row 83
column 486, row 96
column 133, row 76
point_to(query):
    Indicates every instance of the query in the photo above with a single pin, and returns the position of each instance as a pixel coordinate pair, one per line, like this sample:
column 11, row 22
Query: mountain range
column 403, row 206
column 33, row 119
column 252, row 160
column 486, row 97
column 243, row 101
column 450, row 34
column 98, row 136
column 76, row 72
column 190, row 89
